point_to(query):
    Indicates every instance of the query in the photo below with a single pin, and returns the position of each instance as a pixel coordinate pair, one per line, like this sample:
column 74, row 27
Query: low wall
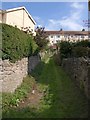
column 12, row 74
column 79, row 70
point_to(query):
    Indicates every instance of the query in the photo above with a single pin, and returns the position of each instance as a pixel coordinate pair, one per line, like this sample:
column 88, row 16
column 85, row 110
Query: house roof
column 19, row 8
column 68, row 32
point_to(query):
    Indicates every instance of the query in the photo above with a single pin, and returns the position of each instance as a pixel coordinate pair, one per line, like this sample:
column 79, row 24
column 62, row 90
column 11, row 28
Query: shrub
column 84, row 43
column 80, row 51
column 89, row 52
column 16, row 44
column 65, row 49
column 77, row 49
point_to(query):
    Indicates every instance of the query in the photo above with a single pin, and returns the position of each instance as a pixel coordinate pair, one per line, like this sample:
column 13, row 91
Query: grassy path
column 62, row 98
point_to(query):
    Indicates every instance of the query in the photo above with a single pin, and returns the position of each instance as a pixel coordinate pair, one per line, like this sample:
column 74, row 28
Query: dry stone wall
column 12, row 74
column 79, row 70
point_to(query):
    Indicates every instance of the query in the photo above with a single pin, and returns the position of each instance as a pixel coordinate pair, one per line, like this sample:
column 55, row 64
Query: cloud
column 77, row 5
column 71, row 22
column 66, row 24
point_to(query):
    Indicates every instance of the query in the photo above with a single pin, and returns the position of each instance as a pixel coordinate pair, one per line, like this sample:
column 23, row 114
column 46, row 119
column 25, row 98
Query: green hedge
column 65, row 49
column 77, row 49
column 83, row 43
column 80, row 51
column 16, row 44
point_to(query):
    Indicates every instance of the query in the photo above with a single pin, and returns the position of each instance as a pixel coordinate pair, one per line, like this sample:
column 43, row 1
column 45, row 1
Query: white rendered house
column 18, row 17
column 73, row 36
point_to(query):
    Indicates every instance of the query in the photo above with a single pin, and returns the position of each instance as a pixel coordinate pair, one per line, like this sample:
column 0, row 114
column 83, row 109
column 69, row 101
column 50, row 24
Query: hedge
column 16, row 44
column 65, row 49
column 80, row 51
column 77, row 49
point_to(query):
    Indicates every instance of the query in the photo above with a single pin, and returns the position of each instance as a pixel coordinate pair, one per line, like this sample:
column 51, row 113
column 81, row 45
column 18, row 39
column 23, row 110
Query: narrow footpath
column 64, row 98
column 56, row 95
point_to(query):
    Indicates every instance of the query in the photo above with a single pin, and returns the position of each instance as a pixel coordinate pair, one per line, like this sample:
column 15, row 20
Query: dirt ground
column 32, row 100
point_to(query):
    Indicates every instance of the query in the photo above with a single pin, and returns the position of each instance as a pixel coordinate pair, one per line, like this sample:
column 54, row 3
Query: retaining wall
column 12, row 74
column 79, row 70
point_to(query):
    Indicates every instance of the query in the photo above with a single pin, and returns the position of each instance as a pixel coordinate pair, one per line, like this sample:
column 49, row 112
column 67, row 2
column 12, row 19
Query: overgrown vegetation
column 62, row 98
column 77, row 49
column 65, row 49
column 12, row 99
column 16, row 44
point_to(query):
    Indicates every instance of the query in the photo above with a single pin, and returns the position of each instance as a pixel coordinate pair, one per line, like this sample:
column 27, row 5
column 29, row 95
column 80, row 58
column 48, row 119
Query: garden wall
column 32, row 62
column 79, row 70
column 12, row 74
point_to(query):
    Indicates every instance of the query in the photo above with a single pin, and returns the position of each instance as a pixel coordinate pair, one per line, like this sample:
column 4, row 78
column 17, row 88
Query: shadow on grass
column 62, row 98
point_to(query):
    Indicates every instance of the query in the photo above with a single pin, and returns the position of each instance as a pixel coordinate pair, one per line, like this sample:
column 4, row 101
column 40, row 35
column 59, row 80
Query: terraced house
column 73, row 36
column 18, row 17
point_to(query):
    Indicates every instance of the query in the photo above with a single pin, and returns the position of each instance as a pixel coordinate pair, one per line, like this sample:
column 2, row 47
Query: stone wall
column 32, row 62
column 79, row 70
column 12, row 74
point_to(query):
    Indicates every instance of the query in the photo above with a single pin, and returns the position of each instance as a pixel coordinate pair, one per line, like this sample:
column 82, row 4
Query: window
column 51, row 36
column 82, row 36
column 58, row 36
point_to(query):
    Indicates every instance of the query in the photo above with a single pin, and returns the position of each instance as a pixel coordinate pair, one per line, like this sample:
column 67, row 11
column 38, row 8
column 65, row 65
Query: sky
column 55, row 15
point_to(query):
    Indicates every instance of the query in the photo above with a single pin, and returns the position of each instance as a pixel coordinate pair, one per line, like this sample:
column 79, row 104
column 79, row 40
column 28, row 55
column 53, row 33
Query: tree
column 41, row 38
column 83, row 29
